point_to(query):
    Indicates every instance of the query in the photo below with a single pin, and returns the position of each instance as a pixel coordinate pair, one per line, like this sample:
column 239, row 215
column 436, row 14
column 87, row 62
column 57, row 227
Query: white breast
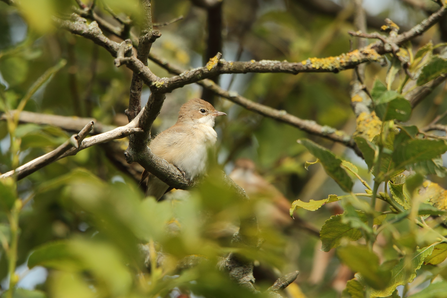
column 195, row 154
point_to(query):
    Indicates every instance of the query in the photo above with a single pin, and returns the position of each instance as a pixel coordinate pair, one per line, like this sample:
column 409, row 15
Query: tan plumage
column 272, row 208
column 185, row 144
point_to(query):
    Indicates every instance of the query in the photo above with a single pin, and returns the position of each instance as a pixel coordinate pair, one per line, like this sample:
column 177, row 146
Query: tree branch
column 146, row 39
column 360, row 98
column 416, row 95
column 72, row 147
column 44, row 160
column 349, row 60
column 71, row 124
column 74, row 124
column 280, row 115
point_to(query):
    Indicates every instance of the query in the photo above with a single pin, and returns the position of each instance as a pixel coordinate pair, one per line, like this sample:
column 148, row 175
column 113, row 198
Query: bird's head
column 198, row 111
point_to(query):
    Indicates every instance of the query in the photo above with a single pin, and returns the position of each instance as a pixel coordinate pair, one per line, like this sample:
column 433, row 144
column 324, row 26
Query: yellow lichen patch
column 434, row 194
column 252, row 61
column 368, row 125
column 371, row 53
column 158, row 84
column 325, row 63
column 356, row 98
column 343, row 60
column 393, row 25
column 212, row 63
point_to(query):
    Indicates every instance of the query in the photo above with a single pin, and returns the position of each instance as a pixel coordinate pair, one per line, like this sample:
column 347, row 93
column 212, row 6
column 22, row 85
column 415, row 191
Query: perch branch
column 72, row 147
column 44, row 160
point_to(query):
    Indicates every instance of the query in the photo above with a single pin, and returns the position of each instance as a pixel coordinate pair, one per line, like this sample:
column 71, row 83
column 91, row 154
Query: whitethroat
column 185, row 145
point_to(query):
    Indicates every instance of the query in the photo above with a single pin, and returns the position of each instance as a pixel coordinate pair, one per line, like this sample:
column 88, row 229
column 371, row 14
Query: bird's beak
column 217, row 113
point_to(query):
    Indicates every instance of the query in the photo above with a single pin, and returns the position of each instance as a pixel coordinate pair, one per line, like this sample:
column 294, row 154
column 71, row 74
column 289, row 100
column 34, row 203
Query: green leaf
column 354, row 289
column 427, row 48
column 392, row 72
column 438, row 255
column 436, row 67
column 378, row 89
column 368, row 150
column 417, row 150
column 434, row 290
column 5, row 234
column 362, row 260
column 24, row 129
column 354, row 218
column 400, row 195
column 312, row 205
column 24, row 293
column 404, row 272
column 8, row 193
column 38, row 13
column 330, row 163
column 427, row 209
column 334, row 230
column 40, row 139
column 392, row 106
column 72, row 285
column 54, row 255
column 77, row 174
column 14, row 70
column 102, row 260
column 3, row 128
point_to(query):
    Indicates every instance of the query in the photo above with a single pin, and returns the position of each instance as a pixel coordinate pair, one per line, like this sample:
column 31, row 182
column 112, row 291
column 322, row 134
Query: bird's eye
column 202, row 111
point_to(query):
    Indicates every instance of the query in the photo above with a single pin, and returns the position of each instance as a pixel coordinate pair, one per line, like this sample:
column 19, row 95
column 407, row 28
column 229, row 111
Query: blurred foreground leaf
column 362, row 260
column 102, row 260
column 404, row 272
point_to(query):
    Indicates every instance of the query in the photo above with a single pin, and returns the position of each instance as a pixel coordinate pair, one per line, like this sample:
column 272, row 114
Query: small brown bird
column 272, row 208
column 185, row 144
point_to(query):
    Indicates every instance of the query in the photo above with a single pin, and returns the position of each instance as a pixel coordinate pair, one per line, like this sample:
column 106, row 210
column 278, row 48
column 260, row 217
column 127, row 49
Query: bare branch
column 282, row 282
column 66, row 123
column 280, row 115
column 432, row 127
column 145, row 41
column 73, row 124
column 67, row 148
column 158, row 25
column 350, row 60
column 44, row 160
column 360, row 97
column 416, row 95
column 125, row 49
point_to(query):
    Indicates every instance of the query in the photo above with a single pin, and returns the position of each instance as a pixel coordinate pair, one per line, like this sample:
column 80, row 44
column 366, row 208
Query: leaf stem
column 12, row 252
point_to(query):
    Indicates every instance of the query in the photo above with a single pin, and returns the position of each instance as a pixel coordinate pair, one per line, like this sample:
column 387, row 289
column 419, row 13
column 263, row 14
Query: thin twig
column 158, row 25
column 282, row 282
column 68, row 148
column 46, row 159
